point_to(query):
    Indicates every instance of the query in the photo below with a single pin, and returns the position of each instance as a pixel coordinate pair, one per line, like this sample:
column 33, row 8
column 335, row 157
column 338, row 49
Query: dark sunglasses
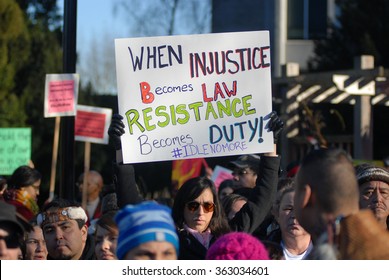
column 194, row 205
column 241, row 173
column 12, row 241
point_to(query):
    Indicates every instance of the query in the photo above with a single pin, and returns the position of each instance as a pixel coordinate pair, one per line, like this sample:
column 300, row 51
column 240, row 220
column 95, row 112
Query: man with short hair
column 11, row 232
column 326, row 204
column 65, row 231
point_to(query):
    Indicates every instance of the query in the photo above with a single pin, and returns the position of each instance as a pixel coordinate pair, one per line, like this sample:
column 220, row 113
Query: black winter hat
column 8, row 216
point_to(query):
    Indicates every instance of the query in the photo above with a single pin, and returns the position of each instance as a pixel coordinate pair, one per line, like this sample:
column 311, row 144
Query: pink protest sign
column 220, row 174
column 61, row 93
column 61, row 96
column 92, row 123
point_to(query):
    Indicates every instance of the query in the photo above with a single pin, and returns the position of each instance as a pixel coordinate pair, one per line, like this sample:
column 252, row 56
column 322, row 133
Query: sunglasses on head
column 194, row 205
column 12, row 241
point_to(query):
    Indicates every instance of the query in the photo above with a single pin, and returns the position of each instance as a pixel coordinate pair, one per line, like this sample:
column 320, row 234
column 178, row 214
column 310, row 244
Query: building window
column 307, row 19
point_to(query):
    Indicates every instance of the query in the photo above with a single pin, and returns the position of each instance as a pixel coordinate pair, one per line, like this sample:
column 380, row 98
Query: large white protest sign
column 194, row 95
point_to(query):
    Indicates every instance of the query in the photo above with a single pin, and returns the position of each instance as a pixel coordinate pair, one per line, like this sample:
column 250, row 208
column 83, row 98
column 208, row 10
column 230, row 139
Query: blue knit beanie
column 144, row 222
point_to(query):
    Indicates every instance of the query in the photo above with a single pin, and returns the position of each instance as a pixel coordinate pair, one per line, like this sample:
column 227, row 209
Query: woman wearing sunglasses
column 199, row 218
column 199, row 215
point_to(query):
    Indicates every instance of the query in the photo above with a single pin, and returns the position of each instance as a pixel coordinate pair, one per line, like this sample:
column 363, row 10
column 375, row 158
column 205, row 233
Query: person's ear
column 84, row 232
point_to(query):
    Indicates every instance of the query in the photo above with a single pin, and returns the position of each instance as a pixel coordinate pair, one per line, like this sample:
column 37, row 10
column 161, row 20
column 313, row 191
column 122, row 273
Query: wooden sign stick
column 86, row 171
column 54, row 159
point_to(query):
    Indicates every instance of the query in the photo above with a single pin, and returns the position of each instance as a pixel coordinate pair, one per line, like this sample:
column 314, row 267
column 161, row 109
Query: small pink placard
column 90, row 124
column 61, row 96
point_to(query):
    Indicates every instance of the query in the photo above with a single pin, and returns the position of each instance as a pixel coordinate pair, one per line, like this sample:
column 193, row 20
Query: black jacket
column 190, row 247
column 89, row 249
column 126, row 189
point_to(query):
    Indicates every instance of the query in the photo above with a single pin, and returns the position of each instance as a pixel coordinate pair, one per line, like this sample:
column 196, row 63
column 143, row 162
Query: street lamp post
column 66, row 188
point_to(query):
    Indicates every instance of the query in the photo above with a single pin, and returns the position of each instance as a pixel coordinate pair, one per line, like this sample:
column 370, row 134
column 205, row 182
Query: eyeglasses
column 241, row 173
column 194, row 205
column 12, row 241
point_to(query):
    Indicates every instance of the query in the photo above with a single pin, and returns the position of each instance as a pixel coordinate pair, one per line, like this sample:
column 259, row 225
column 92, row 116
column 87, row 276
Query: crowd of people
column 325, row 209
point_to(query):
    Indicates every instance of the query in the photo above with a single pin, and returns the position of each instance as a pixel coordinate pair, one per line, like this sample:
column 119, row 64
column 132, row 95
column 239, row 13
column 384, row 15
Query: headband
column 54, row 215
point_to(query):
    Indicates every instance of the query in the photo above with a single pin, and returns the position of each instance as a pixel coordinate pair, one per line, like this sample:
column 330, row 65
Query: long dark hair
column 228, row 201
column 24, row 176
column 189, row 191
column 107, row 221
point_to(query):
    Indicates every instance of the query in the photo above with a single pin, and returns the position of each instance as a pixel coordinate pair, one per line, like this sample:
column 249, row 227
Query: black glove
column 276, row 125
column 116, row 130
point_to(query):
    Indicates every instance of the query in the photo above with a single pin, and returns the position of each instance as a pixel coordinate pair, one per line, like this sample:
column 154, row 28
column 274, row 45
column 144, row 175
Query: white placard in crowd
column 192, row 96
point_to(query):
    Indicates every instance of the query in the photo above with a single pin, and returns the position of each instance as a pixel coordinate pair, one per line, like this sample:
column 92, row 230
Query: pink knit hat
column 237, row 246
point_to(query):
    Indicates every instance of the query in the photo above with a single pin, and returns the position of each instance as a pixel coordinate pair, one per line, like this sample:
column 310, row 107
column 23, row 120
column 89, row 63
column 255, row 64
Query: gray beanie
column 367, row 172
